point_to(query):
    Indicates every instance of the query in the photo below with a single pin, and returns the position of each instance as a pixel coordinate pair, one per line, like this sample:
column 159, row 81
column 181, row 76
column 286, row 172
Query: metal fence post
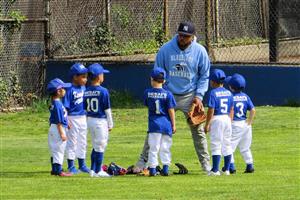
column 273, row 30
column 208, row 29
column 107, row 13
column 47, row 36
column 166, row 18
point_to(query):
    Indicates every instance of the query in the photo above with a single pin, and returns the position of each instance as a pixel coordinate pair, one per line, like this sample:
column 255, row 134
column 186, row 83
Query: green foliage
column 158, row 32
column 4, row 95
column 136, row 47
column 121, row 16
column 18, row 18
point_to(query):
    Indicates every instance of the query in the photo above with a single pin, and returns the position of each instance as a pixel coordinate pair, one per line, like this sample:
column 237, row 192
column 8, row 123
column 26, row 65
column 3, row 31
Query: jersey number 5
column 92, row 105
column 224, row 106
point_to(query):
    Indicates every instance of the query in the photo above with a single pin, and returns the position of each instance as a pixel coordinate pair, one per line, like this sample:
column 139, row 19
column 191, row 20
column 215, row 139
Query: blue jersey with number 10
column 96, row 101
column 221, row 100
column 159, row 101
column 242, row 103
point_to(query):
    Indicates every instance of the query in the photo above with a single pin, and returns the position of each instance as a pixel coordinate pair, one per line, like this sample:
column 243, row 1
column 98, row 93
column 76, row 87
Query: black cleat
column 249, row 170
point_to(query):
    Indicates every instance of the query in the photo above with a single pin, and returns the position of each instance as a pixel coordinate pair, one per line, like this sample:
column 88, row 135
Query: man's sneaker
column 103, row 174
column 249, row 170
column 84, row 169
column 211, row 173
column 73, row 170
column 65, row 174
column 92, row 173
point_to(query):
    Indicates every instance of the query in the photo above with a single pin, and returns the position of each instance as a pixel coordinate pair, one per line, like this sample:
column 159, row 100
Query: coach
column 187, row 65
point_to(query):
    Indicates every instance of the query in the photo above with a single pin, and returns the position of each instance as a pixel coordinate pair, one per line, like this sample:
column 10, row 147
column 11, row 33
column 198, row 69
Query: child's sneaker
column 92, row 173
column 211, row 173
column 249, row 170
column 84, row 169
column 73, row 170
column 225, row 172
column 65, row 174
column 103, row 174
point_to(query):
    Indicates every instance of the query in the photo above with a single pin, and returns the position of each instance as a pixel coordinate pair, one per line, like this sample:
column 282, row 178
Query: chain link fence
column 235, row 31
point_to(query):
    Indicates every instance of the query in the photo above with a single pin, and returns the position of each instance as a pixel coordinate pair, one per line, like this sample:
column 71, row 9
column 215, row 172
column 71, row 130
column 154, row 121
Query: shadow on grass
column 23, row 174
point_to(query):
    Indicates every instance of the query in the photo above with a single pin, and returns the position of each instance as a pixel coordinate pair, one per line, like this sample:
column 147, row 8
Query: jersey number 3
column 92, row 105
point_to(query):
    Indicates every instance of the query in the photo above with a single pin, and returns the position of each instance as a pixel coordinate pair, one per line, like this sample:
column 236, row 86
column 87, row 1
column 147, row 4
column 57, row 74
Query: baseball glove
column 182, row 169
column 195, row 117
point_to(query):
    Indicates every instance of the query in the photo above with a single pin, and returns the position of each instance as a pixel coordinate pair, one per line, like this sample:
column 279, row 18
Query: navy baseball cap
column 186, row 28
column 78, row 69
column 217, row 75
column 236, row 81
column 96, row 69
column 158, row 73
column 57, row 84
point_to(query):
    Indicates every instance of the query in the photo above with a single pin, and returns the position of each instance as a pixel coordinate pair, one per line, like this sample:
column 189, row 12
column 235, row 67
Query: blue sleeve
column 106, row 100
column 203, row 70
column 58, row 114
column 67, row 98
column 250, row 105
column 171, row 103
column 211, row 101
column 145, row 98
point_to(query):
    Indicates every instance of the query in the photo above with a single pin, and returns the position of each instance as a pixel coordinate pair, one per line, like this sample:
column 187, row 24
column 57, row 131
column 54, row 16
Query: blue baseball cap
column 158, row 73
column 78, row 69
column 217, row 75
column 96, row 69
column 57, row 84
column 237, row 81
column 186, row 28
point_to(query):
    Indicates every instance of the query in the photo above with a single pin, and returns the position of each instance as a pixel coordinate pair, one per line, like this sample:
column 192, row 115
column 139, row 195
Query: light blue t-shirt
column 187, row 70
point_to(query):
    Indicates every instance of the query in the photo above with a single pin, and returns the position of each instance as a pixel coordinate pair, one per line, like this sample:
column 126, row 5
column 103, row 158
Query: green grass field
column 25, row 167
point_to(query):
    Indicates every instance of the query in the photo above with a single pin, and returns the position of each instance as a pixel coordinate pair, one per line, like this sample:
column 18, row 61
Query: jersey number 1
column 157, row 107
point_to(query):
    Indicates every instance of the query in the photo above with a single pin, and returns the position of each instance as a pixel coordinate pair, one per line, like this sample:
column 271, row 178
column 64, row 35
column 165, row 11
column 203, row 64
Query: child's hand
column 249, row 122
column 109, row 129
column 206, row 128
column 63, row 137
column 174, row 129
column 69, row 126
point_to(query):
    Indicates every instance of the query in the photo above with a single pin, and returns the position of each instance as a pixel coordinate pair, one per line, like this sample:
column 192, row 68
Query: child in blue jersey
column 161, row 122
column 99, row 117
column 73, row 101
column 218, row 122
column 58, row 126
column 241, row 126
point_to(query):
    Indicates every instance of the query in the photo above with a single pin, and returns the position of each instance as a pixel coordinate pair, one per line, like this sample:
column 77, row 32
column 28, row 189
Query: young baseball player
column 99, row 117
column 58, row 126
column 73, row 101
column 161, row 122
column 218, row 123
column 241, row 126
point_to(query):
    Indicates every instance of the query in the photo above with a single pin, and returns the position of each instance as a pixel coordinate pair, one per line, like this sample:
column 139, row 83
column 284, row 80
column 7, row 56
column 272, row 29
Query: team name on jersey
column 223, row 94
column 78, row 96
column 240, row 98
column 157, row 95
column 181, row 57
column 92, row 93
column 183, row 74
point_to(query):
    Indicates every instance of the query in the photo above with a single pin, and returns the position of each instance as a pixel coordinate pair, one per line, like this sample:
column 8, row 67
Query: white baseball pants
column 220, row 139
column 56, row 145
column 242, row 138
column 77, row 140
column 99, row 132
column 159, row 143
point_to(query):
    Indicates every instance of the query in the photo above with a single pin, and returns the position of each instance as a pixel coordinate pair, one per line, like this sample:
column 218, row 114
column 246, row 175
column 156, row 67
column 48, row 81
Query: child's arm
column 231, row 114
column 251, row 116
column 171, row 112
column 210, row 114
column 109, row 119
column 61, row 132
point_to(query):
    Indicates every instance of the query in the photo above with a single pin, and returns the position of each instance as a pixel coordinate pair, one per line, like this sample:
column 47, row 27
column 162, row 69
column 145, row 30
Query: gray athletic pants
column 200, row 143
